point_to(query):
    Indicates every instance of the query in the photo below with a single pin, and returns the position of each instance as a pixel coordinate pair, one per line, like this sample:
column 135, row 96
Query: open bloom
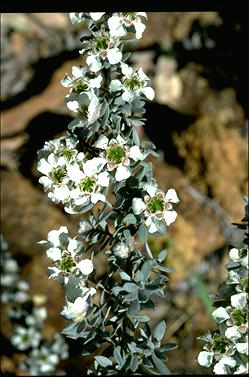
column 81, row 81
column 53, row 168
column 156, row 207
column 132, row 84
column 55, row 156
column 117, row 156
column 23, row 338
column 121, row 23
column 88, row 182
column 64, row 251
column 103, row 48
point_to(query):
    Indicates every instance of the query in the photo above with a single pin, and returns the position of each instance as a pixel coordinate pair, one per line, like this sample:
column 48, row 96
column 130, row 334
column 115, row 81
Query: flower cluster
column 227, row 349
column 70, row 178
column 28, row 314
column 99, row 168
column 66, row 253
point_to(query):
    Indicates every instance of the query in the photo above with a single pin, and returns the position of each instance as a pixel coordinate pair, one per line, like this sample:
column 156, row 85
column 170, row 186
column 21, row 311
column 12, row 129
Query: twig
column 225, row 220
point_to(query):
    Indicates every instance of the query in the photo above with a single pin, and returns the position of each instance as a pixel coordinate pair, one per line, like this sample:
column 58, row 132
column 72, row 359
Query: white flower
column 54, row 171
column 156, row 207
column 24, row 338
column 76, row 310
column 63, row 250
column 88, row 183
column 121, row 249
column 120, row 23
column 85, row 266
column 103, row 48
column 117, row 155
column 80, row 83
column 132, row 84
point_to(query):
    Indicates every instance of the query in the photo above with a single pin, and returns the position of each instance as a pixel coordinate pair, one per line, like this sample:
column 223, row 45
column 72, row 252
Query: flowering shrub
column 98, row 169
column 226, row 349
column 28, row 314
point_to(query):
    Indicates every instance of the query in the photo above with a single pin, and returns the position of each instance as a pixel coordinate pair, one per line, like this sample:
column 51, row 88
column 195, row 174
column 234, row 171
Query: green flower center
column 87, row 184
column 80, row 86
column 67, row 153
column 101, row 43
column 156, row 204
column 219, row 344
column 130, row 15
column 115, row 154
column 83, row 112
column 67, row 263
column 238, row 317
column 58, row 174
column 25, row 338
column 132, row 83
column 244, row 284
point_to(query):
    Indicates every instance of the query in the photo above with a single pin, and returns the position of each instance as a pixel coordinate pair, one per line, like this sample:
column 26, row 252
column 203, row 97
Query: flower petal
column 220, row 315
column 171, row 196
column 54, row 253
column 97, row 197
column 139, row 27
column 148, row 92
column 102, row 142
column 239, row 300
column 122, row 172
column 115, row 85
column 138, row 206
column 94, row 166
column 73, row 105
column 103, row 179
column 96, row 15
column 85, row 266
column 114, row 55
column 205, row 358
column 169, row 216
column 136, row 154
column 94, row 63
column 116, row 27
column 152, row 228
column 96, row 83
column 242, row 348
column 233, row 333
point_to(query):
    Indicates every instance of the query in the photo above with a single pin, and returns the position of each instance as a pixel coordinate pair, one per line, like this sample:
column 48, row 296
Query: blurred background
column 197, row 62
